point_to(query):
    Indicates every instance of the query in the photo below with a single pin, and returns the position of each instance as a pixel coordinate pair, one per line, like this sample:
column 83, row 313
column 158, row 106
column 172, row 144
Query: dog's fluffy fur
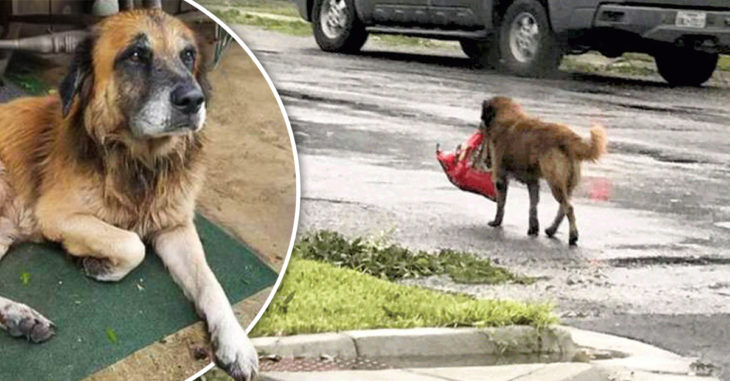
column 108, row 166
column 528, row 149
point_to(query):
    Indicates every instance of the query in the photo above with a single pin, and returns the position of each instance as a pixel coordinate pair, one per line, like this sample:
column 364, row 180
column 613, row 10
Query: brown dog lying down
column 529, row 149
column 113, row 164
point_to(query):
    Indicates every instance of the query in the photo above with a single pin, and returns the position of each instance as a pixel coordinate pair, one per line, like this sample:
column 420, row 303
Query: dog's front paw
column 533, row 230
column 235, row 353
column 21, row 320
column 494, row 223
column 550, row 232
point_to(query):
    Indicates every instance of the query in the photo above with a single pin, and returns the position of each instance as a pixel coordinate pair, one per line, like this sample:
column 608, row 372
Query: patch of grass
column 625, row 67
column 264, row 14
column 318, row 297
column 638, row 64
column 291, row 26
column 638, row 57
column 393, row 262
column 724, row 63
column 396, row 40
column 277, row 7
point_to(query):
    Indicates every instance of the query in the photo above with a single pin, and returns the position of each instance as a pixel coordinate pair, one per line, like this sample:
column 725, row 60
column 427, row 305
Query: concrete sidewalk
column 470, row 354
column 519, row 372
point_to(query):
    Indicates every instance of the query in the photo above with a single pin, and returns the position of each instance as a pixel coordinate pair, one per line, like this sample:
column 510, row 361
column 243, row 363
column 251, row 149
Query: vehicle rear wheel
column 483, row 53
column 685, row 67
column 527, row 44
column 336, row 26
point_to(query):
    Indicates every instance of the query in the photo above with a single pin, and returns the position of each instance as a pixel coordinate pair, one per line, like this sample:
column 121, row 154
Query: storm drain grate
column 275, row 364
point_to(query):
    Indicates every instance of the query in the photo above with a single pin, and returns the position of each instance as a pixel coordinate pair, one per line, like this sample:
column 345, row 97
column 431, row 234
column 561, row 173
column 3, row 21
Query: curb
column 632, row 354
column 606, row 356
column 551, row 344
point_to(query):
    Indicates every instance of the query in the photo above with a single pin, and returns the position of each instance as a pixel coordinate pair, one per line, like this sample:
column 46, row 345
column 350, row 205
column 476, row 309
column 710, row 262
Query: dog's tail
column 595, row 148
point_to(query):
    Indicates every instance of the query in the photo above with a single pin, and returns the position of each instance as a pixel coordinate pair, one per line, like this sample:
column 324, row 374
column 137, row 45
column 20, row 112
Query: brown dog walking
column 113, row 163
column 528, row 149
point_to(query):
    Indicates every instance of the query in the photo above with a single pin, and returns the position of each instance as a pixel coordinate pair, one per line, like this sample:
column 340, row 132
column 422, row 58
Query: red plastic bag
column 462, row 167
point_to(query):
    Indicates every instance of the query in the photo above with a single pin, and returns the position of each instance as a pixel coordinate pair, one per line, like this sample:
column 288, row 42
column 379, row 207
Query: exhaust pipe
column 65, row 42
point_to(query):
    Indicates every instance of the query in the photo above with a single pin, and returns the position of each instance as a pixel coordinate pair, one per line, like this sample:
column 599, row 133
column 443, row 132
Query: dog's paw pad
column 23, row 321
column 533, row 231
column 494, row 224
column 96, row 268
column 550, row 232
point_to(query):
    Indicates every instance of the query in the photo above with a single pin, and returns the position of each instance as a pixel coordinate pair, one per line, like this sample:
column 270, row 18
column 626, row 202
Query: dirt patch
column 251, row 186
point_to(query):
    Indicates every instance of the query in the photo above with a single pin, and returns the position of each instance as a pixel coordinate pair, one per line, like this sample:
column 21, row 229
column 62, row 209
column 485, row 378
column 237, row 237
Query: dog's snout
column 187, row 98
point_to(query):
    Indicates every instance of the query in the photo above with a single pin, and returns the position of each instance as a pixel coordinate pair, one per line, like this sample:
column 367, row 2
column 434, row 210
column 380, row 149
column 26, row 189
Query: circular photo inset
column 148, row 192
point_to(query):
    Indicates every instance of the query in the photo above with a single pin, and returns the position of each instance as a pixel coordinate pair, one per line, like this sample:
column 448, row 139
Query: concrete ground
column 521, row 372
column 465, row 354
column 652, row 261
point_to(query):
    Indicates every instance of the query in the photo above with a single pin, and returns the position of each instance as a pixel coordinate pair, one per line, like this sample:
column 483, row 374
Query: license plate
column 690, row 19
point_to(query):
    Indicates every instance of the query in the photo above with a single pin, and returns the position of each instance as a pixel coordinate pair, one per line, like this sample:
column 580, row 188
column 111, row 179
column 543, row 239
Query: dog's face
column 140, row 72
column 493, row 108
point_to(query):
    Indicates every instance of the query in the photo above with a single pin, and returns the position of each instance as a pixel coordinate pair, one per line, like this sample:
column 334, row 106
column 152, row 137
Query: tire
column 483, row 53
column 685, row 67
column 337, row 31
column 527, row 44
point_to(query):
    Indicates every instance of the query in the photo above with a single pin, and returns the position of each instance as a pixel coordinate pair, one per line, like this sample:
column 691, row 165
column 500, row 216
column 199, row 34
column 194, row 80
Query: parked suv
column 529, row 37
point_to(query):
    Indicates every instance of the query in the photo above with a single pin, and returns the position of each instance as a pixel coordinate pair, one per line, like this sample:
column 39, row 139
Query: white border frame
column 296, row 168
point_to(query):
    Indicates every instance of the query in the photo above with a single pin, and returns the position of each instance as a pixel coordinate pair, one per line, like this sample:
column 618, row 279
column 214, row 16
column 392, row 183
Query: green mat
column 101, row 323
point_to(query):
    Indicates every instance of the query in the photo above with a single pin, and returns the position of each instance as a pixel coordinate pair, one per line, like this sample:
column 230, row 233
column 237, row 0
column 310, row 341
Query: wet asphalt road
column 654, row 215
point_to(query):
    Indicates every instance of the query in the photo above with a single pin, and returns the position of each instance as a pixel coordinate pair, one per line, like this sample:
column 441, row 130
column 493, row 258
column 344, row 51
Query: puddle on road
column 668, row 260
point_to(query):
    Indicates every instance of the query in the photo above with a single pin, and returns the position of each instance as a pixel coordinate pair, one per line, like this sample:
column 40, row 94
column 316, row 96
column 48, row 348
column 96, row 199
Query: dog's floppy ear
column 489, row 112
column 80, row 73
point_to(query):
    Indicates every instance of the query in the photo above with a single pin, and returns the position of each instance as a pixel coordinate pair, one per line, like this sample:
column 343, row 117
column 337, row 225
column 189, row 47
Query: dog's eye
column 188, row 57
column 137, row 56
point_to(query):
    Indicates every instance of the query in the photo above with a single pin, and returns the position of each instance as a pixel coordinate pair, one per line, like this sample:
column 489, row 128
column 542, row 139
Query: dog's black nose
column 187, row 99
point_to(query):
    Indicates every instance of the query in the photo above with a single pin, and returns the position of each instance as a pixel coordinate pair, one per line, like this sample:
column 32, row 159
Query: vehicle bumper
column 658, row 24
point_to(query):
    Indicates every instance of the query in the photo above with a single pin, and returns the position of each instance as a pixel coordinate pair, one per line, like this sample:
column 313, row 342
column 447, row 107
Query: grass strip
column 318, row 297
column 394, row 262
column 272, row 22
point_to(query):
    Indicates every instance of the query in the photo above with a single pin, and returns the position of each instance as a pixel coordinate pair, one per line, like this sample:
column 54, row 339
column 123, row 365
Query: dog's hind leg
column 558, row 194
column 566, row 209
column 573, row 235
column 21, row 320
column 501, row 185
column 534, row 189
column 572, row 182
